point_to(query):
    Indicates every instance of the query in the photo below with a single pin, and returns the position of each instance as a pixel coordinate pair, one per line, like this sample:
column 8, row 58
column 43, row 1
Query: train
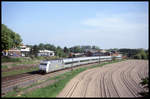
column 53, row 65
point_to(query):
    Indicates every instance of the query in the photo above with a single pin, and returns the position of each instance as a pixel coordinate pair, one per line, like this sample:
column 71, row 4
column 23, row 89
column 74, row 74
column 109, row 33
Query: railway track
column 22, row 79
column 27, row 79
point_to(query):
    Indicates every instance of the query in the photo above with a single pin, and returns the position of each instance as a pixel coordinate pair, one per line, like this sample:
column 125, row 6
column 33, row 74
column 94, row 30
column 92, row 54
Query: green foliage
column 8, row 59
column 33, row 51
column 137, row 56
column 77, row 49
column 145, row 84
column 41, row 46
column 143, row 54
column 5, row 36
column 95, row 47
column 60, row 52
column 54, row 89
column 4, row 66
column 145, row 81
column 82, row 49
column 135, row 53
column 66, row 50
column 15, row 59
column 9, row 38
column 16, row 72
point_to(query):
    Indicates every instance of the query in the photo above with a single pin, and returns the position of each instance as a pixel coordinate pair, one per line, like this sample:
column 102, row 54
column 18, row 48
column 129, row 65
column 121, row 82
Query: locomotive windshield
column 43, row 63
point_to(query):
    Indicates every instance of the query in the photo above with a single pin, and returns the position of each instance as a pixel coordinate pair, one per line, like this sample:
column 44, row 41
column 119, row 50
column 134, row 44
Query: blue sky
column 104, row 24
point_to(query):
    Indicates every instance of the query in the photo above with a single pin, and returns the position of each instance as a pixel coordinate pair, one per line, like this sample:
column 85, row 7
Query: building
column 90, row 52
column 76, row 55
column 24, row 50
column 98, row 53
column 46, row 53
column 114, row 53
column 14, row 52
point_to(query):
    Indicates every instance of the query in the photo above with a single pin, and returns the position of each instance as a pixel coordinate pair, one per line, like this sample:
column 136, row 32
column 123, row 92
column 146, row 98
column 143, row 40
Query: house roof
column 46, row 51
column 26, row 49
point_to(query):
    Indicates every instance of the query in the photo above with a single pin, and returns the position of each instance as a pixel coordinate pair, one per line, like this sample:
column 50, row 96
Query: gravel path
column 113, row 80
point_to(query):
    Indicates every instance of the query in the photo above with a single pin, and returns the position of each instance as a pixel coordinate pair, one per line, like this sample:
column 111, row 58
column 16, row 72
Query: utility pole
column 99, row 57
column 72, row 65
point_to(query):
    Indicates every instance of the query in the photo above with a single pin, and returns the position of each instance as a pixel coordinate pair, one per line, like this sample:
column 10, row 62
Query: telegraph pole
column 99, row 57
column 72, row 65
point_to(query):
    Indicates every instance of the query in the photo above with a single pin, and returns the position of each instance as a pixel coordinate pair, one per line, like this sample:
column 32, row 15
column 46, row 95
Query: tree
column 77, row 49
column 53, row 48
column 66, row 50
column 129, row 52
column 41, row 46
column 60, row 52
column 5, row 36
column 87, row 47
column 143, row 54
column 147, row 53
column 16, row 40
column 134, row 53
column 95, row 47
column 145, row 85
column 34, row 50
column 137, row 56
column 9, row 38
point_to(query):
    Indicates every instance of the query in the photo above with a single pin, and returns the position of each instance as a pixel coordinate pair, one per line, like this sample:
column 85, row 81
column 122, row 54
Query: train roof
column 76, row 59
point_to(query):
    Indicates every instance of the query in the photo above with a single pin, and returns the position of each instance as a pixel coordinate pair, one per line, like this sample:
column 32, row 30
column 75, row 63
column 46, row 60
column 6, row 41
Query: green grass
column 10, row 94
column 54, row 89
column 20, row 63
column 4, row 66
column 15, row 72
column 23, row 63
column 8, row 59
column 23, row 60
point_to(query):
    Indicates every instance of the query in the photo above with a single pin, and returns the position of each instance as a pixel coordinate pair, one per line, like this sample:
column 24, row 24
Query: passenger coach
column 53, row 65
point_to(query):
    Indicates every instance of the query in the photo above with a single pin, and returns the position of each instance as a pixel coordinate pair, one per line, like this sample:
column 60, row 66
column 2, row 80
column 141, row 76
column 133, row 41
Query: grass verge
column 15, row 72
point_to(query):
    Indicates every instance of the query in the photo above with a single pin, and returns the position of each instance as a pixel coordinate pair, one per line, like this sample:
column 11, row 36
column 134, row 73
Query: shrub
column 14, row 59
column 145, row 84
column 143, row 56
column 9, row 59
column 137, row 56
column 113, row 58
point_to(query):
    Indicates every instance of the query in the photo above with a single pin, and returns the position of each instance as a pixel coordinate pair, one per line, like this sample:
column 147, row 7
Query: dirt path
column 113, row 80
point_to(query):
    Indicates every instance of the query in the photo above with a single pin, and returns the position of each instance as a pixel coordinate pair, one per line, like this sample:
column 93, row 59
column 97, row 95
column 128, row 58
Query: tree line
column 35, row 49
column 61, row 52
column 135, row 53
column 11, row 39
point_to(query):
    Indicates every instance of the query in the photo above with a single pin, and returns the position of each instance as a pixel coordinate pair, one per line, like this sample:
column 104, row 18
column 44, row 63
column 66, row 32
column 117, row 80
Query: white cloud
column 116, row 21
column 127, row 29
